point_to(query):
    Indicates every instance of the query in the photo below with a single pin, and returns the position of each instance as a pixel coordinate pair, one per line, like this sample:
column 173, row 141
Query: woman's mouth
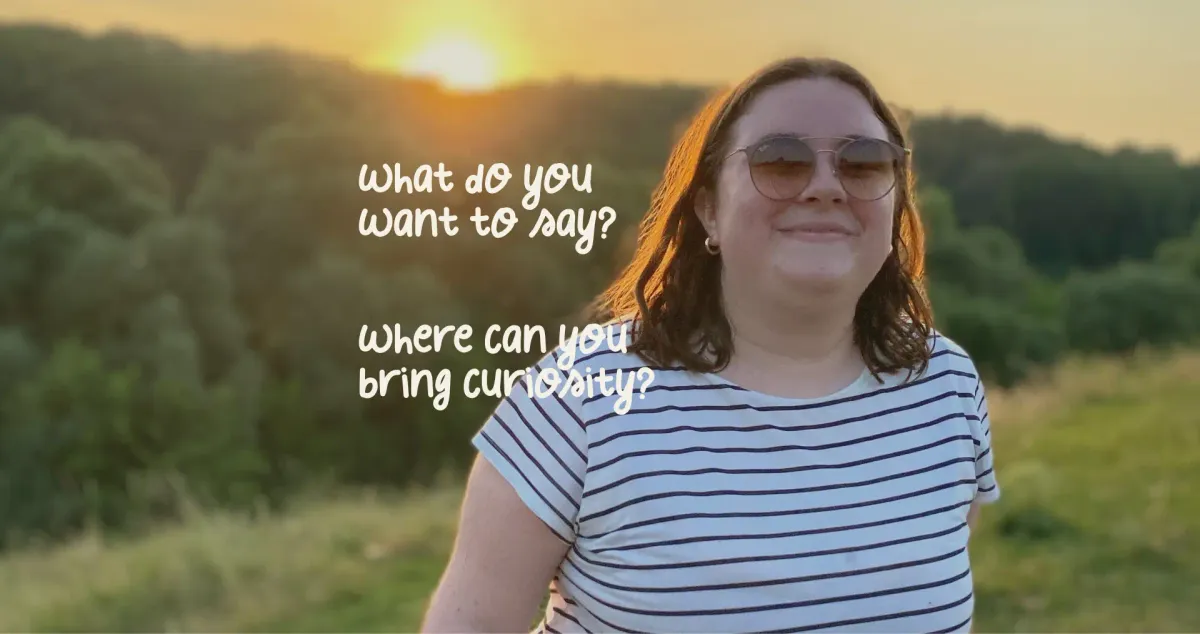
column 817, row 232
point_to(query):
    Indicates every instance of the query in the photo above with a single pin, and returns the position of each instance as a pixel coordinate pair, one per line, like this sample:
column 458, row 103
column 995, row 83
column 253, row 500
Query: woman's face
column 822, row 239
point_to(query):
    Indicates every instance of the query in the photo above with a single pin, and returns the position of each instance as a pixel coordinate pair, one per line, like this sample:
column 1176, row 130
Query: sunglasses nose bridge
column 833, row 161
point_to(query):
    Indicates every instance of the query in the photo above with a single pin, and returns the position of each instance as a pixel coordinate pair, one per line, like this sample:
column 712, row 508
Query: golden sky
column 1108, row 71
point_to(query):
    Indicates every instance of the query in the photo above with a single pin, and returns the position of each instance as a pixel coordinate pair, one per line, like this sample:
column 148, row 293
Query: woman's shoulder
column 947, row 355
column 594, row 370
column 598, row 345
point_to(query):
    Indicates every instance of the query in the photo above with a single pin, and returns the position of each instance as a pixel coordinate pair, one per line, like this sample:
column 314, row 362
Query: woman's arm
column 503, row 560
column 973, row 515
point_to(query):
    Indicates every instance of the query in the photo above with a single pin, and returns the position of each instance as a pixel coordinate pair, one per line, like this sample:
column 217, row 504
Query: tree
column 1131, row 304
column 986, row 296
column 1182, row 253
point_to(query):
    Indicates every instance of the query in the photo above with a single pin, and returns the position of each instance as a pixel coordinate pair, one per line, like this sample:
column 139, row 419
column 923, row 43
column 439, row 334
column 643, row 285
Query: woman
column 811, row 453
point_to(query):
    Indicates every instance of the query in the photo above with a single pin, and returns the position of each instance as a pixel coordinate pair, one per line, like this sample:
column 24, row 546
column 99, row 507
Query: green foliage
column 78, row 434
column 987, row 297
column 110, row 183
column 1131, row 304
column 1007, row 342
column 185, row 259
column 1067, row 205
column 1182, row 253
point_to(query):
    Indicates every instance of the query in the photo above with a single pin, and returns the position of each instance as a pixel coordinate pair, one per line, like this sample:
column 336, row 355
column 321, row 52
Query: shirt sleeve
column 987, row 488
column 539, row 444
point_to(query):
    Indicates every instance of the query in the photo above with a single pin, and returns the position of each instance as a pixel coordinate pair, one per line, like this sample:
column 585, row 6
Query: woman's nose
column 825, row 185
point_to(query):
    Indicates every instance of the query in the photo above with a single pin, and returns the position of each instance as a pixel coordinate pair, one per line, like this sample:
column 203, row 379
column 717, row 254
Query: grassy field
column 1098, row 531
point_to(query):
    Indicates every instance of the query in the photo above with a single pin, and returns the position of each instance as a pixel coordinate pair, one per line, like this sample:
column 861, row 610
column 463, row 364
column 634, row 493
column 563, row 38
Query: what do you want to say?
column 581, row 224
column 563, row 378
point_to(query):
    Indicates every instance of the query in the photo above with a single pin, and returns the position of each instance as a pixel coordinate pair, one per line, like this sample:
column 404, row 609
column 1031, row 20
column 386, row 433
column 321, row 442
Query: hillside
column 1096, row 533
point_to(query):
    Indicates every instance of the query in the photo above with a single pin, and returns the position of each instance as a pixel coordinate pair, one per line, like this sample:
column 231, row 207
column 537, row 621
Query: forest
column 183, row 278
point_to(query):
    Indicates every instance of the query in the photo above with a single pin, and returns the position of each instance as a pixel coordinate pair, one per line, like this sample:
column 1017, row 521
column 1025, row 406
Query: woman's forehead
column 809, row 107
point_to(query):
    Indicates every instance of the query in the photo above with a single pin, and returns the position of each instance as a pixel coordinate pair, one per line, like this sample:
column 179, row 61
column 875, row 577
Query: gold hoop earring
column 710, row 247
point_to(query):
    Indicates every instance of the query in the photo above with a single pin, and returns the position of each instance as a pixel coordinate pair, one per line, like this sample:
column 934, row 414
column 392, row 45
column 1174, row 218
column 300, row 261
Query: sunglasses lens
column 867, row 168
column 781, row 168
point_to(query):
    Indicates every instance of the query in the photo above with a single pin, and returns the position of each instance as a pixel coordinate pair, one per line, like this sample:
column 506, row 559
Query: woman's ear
column 705, row 209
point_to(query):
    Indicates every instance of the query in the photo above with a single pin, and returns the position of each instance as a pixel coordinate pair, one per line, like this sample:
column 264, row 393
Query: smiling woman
column 457, row 62
column 812, row 453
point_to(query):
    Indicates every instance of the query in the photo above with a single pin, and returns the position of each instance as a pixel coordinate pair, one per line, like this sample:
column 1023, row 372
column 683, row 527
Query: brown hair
column 671, row 286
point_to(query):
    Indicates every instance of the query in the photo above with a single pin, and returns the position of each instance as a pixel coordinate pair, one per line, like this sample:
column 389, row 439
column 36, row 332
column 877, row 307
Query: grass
column 1098, row 531
column 362, row 563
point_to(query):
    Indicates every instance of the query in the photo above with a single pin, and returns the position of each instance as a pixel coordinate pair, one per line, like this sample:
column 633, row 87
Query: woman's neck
column 796, row 351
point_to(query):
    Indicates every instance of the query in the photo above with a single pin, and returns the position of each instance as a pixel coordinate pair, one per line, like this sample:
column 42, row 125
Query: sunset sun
column 457, row 62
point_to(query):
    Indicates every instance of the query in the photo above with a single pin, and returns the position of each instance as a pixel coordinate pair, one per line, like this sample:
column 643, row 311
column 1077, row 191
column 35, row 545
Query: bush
column 83, row 442
column 1131, row 304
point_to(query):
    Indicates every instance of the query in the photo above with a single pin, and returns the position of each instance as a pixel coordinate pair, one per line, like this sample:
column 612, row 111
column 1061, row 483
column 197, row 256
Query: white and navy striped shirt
column 708, row 507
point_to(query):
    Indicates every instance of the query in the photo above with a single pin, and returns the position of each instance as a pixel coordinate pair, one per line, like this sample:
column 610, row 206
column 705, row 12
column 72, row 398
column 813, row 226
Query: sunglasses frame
column 749, row 150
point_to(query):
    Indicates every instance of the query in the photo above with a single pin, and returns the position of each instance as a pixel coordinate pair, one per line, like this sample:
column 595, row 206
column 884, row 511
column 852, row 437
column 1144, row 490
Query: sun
column 457, row 62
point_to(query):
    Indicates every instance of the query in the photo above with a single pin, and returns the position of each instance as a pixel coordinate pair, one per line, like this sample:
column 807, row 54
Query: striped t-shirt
column 708, row 507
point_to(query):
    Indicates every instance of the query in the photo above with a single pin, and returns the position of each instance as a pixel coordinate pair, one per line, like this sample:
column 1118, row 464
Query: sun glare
column 456, row 62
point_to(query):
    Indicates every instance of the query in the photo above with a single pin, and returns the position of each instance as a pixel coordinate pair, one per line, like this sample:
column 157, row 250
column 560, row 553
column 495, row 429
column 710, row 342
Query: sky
column 1107, row 72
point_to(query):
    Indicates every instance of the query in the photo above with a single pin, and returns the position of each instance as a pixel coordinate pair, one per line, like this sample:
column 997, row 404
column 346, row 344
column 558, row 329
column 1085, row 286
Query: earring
column 710, row 247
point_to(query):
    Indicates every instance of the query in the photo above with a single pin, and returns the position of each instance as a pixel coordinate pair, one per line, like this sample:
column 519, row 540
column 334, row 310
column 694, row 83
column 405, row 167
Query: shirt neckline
column 858, row 386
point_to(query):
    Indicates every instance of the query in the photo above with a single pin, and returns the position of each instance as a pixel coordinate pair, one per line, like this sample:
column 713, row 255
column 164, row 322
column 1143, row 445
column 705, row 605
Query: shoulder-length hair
column 670, row 289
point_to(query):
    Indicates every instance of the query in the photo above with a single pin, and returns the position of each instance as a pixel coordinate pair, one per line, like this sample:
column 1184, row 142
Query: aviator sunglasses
column 782, row 166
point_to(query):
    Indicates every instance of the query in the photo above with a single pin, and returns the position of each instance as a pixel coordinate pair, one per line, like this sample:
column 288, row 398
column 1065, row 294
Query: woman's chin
column 812, row 275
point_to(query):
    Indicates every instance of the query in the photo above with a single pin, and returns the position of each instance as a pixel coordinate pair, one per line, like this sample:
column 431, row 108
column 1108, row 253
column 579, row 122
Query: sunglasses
column 782, row 166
